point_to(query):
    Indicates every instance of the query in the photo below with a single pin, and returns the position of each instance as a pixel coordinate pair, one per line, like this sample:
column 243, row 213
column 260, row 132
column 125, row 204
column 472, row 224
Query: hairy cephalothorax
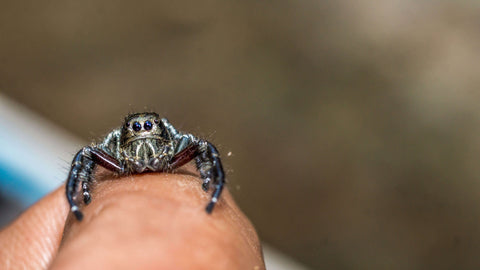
column 144, row 143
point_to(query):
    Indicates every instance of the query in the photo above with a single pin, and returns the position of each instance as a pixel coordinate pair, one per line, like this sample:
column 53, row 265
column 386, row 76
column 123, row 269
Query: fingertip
column 163, row 218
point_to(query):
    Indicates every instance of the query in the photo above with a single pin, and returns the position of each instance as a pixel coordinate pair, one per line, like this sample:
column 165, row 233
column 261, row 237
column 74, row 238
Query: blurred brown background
column 353, row 125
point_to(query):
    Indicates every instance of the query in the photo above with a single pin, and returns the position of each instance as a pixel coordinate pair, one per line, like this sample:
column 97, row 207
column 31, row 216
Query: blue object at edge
column 18, row 186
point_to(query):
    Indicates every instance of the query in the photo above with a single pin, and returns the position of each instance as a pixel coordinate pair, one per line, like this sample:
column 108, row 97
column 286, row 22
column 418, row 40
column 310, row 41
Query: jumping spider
column 145, row 143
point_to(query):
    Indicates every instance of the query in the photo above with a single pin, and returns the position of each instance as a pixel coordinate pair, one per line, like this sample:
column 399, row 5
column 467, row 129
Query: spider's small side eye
column 127, row 124
column 157, row 121
column 137, row 126
column 148, row 125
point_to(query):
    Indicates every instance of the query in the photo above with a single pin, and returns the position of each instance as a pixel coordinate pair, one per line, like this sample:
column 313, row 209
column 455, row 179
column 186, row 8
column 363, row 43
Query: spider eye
column 127, row 124
column 157, row 121
column 137, row 126
column 148, row 125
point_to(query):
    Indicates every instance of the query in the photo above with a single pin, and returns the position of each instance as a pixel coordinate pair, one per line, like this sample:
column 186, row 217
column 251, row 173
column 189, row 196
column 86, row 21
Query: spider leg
column 85, row 184
column 187, row 148
column 208, row 164
column 83, row 165
column 184, row 156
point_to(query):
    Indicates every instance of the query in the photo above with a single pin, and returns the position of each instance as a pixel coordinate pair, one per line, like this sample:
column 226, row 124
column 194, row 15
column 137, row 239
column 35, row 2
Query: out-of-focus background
column 354, row 126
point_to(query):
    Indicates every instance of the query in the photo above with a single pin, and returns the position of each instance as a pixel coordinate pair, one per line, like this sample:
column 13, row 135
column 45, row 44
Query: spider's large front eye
column 137, row 126
column 148, row 125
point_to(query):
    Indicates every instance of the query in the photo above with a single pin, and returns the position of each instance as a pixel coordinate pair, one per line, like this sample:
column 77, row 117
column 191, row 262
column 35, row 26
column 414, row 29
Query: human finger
column 32, row 240
column 158, row 221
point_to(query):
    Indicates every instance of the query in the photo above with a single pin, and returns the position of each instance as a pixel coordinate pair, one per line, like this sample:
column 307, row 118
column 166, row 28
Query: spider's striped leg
column 83, row 165
column 187, row 148
column 209, row 165
column 80, row 171
column 211, row 169
column 86, row 192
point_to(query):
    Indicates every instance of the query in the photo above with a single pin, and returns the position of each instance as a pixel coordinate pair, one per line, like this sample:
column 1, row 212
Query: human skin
column 148, row 221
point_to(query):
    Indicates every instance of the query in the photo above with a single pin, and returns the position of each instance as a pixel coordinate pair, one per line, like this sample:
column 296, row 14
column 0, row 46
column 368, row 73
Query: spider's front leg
column 208, row 163
column 82, row 169
column 210, row 167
